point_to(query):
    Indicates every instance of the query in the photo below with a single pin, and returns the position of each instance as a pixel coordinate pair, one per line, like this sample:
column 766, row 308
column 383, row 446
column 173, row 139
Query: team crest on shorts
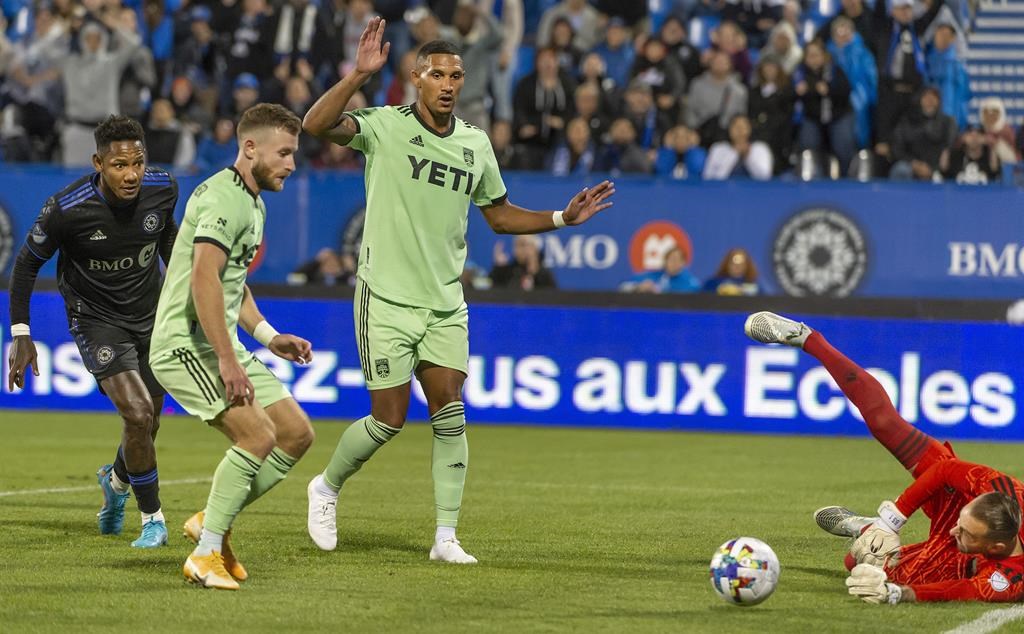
column 467, row 155
column 104, row 355
column 151, row 222
column 382, row 368
column 998, row 582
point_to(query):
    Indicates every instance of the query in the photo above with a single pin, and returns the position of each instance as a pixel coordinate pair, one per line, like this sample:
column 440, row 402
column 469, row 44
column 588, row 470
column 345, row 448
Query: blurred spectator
column 771, row 104
column 402, row 90
column 947, row 71
column 998, row 133
column 755, row 17
column 617, row 52
column 542, row 106
column 156, row 33
column 901, row 64
column 562, row 40
column 302, row 39
column 971, row 160
column 250, row 45
column 592, row 72
column 649, row 122
column 525, row 270
column 200, row 54
column 664, row 75
column 715, row 98
column 592, row 108
column 91, row 77
column 337, row 157
column 298, row 97
column 219, row 149
column 739, row 157
column 32, row 90
column 673, row 34
column 326, row 269
column 632, row 13
column 681, row 157
column 509, row 14
column 824, row 92
column 585, row 21
column 504, row 151
column 736, row 275
column 783, row 46
column 6, row 50
column 575, row 156
column 862, row 20
column 674, row 277
column 140, row 74
column 729, row 39
column 479, row 38
column 622, row 155
column 245, row 92
column 920, row 139
column 167, row 142
column 849, row 52
column 196, row 117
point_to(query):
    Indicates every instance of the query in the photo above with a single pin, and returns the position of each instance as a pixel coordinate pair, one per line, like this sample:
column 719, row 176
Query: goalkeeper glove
column 870, row 584
column 880, row 543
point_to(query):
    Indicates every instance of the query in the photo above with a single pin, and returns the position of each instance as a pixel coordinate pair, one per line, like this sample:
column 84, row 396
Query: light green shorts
column 192, row 377
column 392, row 339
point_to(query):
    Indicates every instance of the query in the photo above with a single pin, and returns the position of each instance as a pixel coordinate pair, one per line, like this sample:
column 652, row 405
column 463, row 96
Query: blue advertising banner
column 626, row 368
column 807, row 239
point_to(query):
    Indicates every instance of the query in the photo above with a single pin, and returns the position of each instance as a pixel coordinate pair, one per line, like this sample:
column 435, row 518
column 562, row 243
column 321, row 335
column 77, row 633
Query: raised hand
column 370, row 55
column 588, row 202
column 292, row 348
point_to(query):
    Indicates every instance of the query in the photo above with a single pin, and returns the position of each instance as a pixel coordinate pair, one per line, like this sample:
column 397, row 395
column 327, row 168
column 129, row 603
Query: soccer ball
column 744, row 571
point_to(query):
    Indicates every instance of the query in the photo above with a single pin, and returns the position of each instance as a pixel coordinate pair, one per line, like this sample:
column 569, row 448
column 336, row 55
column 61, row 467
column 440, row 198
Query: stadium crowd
column 711, row 89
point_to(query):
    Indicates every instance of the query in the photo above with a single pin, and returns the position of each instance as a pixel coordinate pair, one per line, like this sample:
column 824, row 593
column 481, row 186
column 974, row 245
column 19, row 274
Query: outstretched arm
column 326, row 119
column 505, row 217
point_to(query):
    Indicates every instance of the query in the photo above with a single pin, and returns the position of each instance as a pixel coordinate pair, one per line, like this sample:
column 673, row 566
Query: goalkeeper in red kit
column 973, row 551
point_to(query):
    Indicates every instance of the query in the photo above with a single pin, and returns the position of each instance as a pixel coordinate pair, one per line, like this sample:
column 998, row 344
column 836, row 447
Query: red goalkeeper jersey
column 935, row 569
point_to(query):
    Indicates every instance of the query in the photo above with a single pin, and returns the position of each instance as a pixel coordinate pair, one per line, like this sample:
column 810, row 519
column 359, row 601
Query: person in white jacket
column 739, row 156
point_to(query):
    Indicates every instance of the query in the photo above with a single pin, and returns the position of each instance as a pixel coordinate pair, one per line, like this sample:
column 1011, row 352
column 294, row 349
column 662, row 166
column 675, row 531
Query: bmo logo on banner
column 650, row 243
column 577, row 251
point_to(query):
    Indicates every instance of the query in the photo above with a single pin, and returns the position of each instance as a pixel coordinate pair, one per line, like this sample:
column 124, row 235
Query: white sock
column 209, row 542
column 324, row 489
column 156, row 517
column 443, row 533
column 117, row 485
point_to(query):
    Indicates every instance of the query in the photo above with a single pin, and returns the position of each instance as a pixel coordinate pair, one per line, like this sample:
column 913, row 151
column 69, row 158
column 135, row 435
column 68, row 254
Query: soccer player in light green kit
column 195, row 351
column 423, row 168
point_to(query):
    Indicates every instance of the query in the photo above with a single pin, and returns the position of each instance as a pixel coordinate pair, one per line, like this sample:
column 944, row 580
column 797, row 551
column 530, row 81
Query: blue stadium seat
column 700, row 28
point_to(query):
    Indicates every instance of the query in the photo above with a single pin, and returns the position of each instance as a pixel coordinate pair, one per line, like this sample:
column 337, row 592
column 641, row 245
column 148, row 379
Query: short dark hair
column 437, row 47
column 268, row 115
column 117, row 127
column 1001, row 513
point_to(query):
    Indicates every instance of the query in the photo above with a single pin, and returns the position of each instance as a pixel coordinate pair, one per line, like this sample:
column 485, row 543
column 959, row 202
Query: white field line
column 990, row 621
column 89, row 488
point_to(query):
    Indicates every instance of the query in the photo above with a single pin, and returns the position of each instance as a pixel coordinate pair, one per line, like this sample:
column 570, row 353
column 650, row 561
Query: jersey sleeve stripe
column 82, row 197
column 216, row 243
column 74, row 193
column 500, row 199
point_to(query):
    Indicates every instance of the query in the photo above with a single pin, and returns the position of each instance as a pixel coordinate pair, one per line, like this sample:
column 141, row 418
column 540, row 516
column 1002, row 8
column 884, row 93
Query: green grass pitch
column 576, row 530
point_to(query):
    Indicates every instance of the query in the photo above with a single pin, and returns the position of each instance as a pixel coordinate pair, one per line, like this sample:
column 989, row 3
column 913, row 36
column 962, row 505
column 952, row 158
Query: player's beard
column 264, row 176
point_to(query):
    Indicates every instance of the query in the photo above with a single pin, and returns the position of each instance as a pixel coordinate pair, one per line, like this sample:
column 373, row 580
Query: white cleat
column 767, row 327
column 449, row 551
column 322, row 520
column 841, row 521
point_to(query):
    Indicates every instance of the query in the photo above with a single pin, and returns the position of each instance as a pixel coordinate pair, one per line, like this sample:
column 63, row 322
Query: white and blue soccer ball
column 744, row 571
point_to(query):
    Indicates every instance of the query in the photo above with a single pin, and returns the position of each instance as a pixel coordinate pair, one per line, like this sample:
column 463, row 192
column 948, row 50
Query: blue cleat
column 154, row 535
column 111, row 516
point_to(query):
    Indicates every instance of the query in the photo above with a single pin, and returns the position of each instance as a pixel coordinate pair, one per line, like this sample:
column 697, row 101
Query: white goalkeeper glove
column 880, row 543
column 870, row 584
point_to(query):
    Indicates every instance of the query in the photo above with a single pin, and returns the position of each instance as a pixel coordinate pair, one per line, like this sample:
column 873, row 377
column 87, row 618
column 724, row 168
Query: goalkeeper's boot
column 194, row 529
column 771, row 328
column 841, row 521
column 321, row 515
column 450, row 551
column 111, row 515
column 208, row 571
column 154, row 535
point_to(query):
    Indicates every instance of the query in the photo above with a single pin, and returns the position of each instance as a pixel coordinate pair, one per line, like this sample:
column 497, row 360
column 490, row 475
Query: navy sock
column 120, row 468
column 146, row 487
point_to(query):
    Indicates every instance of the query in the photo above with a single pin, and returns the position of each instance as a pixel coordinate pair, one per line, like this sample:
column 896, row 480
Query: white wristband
column 890, row 517
column 20, row 330
column 895, row 593
column 264, row 333
column 557, row 219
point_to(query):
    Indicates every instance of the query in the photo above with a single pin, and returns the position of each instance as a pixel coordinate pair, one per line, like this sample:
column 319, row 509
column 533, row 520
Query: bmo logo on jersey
column 441, row 175
column 144, row 258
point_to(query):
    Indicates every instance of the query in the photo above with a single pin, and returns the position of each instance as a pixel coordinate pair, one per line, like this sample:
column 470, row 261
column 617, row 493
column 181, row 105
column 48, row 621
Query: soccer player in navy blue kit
column 108, row 228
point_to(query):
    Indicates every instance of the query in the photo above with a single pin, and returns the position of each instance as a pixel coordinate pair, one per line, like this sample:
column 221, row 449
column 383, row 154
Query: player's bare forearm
column 249, row 315
column 208, row 295
column 325, row 121
column 513, row 219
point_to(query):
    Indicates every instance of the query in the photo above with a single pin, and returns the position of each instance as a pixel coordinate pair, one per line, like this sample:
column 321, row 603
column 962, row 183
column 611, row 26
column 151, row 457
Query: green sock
column 357, row 444
column 450, row 458
column 232, row 482
column 274, row 469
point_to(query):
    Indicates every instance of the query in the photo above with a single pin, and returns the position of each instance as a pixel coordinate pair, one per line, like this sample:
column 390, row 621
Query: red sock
column 902, row 440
